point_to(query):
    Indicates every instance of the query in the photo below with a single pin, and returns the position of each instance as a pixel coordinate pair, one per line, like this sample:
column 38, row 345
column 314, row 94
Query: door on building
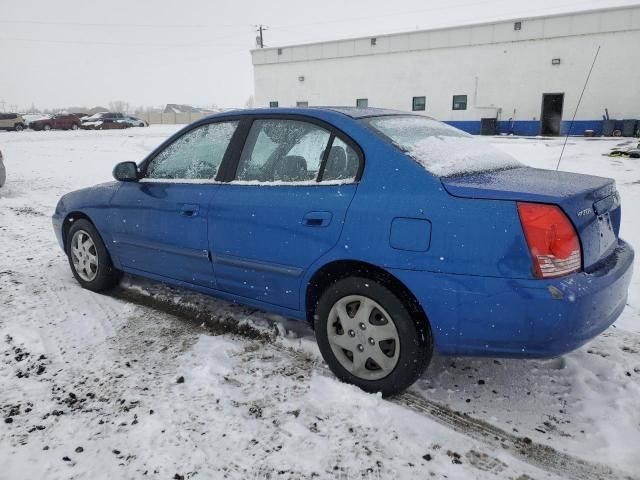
column 551, row 116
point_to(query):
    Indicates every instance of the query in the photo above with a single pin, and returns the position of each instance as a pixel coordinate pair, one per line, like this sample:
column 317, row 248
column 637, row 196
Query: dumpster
column 488, row 126
column 607, row 127
column 629, row 128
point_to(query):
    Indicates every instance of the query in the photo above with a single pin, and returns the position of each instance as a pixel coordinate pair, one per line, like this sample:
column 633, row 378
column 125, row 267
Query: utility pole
column 2, row 102
column 260, row 39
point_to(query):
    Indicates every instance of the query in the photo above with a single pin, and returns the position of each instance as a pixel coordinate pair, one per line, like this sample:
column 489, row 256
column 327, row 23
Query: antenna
column 577, row 106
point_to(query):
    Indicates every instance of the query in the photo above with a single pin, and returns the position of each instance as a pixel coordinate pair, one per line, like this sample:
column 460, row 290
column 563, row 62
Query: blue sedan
column 395, row 235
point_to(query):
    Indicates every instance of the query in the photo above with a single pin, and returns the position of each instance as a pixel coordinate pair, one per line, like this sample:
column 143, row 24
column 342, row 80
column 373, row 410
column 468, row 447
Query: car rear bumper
column 488, row 316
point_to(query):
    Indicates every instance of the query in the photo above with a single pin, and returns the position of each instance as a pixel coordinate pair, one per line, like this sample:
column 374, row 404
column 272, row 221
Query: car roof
column 352, row 112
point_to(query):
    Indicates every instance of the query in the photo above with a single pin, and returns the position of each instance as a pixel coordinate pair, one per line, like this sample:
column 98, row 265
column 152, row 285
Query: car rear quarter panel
column 471, row 240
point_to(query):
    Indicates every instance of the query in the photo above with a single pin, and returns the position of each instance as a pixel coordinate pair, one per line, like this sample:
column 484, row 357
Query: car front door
column 159, row 224
column 283, row 209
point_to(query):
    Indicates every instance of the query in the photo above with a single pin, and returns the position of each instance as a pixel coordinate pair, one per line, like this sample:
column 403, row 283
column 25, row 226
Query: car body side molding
column 255, row 265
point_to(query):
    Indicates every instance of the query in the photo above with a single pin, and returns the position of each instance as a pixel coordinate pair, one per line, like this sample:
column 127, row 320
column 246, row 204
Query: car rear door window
column 282, row 151
column 342, row 163
column 196, row 155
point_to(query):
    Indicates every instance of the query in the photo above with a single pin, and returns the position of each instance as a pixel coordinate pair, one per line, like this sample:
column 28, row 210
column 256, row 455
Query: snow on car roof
column 352, row 112
column 360, row 112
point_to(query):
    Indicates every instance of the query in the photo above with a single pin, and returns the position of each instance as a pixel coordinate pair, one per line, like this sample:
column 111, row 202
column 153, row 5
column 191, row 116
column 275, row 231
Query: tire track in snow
column 522, row 448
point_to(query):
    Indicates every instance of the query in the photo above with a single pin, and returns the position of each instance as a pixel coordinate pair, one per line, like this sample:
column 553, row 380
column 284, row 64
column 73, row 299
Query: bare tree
column 249, row 102
column 33, row 109
column 119, row 106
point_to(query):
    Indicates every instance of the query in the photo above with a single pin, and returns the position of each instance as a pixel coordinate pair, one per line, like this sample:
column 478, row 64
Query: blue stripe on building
column 532, row 127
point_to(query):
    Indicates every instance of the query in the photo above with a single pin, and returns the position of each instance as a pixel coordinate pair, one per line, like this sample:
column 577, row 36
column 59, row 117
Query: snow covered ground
column 157, row 382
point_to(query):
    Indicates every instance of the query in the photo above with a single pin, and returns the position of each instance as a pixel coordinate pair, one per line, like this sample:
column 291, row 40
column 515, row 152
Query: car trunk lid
column 591, row 203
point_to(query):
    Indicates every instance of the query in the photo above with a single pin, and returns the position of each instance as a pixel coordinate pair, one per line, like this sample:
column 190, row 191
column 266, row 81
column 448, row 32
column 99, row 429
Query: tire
column 19, row 127
column 96, row 276
column 46, row 128
column 408, row 351
column 74, row 127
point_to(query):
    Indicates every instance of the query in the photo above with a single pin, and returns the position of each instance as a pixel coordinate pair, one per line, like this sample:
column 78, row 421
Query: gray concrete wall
column 182, row 118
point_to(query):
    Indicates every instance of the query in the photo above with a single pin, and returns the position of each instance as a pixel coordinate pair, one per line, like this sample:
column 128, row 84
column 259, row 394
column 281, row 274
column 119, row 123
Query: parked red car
column 63, row 121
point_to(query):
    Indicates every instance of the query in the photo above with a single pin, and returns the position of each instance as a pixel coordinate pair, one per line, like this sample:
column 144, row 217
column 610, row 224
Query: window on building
column 302, row 104
column 517, row 26
column 459, row 102
column 374, row 41
column 419, row 104
column 279, row 51
column 362, row 102
column 273, row 104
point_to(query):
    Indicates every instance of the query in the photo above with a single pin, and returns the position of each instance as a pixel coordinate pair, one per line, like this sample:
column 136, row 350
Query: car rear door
column 159, row 224
column 284, row 207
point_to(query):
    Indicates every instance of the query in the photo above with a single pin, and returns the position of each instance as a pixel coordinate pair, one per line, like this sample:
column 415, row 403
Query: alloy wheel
column 84, row 255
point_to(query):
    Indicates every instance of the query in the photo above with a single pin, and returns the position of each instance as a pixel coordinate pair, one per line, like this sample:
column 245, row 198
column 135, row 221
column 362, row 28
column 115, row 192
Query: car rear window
column 441, row 149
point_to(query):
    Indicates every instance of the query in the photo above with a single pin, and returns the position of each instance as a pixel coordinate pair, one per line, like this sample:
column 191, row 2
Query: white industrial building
column 523, row 75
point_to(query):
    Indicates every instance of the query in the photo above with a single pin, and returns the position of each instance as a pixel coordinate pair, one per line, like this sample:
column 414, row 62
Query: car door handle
column 317, row 219
column 188, row 210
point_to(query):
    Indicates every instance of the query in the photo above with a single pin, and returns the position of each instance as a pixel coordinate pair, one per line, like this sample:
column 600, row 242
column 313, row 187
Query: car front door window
column 196, row 155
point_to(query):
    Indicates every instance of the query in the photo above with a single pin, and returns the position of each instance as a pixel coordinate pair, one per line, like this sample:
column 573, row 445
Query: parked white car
column 135, row 121
column 12, row 121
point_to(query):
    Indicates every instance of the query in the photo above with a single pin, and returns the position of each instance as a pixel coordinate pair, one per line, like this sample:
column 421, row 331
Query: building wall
column 502, row 77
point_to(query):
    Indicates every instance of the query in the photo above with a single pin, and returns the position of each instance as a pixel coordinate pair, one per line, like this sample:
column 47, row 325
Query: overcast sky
column 151, row 52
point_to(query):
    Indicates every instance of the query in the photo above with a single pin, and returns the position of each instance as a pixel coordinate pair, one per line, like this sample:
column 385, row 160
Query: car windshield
column 441, row 149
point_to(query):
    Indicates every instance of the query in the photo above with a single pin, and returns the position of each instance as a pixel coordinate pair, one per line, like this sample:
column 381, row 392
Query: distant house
column 179, row 108
column 97, row 110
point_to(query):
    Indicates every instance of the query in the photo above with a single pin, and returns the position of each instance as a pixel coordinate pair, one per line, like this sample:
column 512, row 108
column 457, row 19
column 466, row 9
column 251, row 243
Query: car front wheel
column 369, row 338
column 47, row 127
column 88, row 257
column 19, row 128
column 74, row 127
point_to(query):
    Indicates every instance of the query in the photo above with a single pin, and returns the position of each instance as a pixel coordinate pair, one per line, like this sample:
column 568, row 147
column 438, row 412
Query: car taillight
column 552, row 240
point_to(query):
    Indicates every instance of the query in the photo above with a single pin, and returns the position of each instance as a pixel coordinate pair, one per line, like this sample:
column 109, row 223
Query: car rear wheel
column 47, row 127
column 88, row 257
column 369, row 338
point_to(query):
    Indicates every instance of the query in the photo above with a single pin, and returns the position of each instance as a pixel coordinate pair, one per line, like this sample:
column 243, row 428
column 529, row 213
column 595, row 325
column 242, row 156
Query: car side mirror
column 126, row 172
